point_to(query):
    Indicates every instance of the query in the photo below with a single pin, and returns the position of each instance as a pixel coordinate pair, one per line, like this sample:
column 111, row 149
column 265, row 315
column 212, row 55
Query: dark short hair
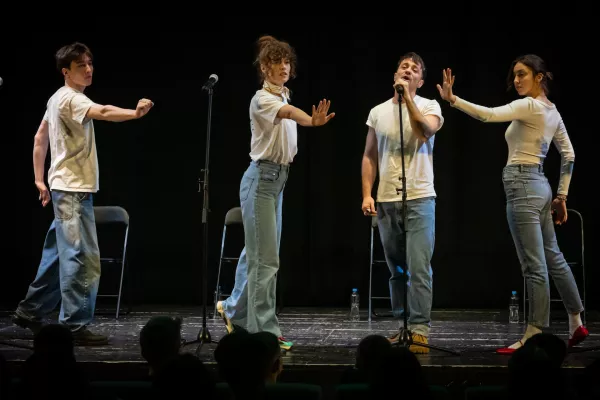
column 417, row 59
column 537, row 66
column 69, row 53
column 160, row 337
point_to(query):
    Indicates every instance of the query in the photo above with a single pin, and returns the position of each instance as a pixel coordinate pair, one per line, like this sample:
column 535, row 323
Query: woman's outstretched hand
column 446, row 88
column 319, row 114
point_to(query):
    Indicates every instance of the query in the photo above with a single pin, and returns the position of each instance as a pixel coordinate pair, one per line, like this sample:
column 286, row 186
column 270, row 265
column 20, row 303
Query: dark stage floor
column 323, row 338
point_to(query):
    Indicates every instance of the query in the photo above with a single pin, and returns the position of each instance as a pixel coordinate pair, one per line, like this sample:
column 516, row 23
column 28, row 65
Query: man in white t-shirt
column 421, row 119
column 69, row 271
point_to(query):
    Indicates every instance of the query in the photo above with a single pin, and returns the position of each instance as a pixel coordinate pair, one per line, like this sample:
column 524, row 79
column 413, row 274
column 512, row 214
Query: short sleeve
column 46, row 116
column 433, row 108
column 372, row 120
column 267, row 107
column 75, row 106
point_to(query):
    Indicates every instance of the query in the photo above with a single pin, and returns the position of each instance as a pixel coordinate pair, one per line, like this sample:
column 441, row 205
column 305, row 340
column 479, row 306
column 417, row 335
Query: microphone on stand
column 399, row 89
column 213, row 79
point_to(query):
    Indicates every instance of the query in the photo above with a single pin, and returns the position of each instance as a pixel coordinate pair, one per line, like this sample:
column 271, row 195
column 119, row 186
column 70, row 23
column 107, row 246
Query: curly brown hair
column 272, row 51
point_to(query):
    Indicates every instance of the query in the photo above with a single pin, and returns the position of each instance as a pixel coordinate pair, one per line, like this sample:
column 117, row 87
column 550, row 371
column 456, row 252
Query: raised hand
column 143, row 106
column 446, row 88
column 319, row 114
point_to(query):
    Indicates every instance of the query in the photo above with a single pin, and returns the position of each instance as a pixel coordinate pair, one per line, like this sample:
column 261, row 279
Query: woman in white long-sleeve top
column 534, row 123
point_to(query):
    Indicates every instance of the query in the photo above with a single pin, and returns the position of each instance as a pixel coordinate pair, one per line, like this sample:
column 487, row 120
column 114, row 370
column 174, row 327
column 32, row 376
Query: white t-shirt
column 418, row 157
column 534, row 125
column 74, row 162
column 274, row 139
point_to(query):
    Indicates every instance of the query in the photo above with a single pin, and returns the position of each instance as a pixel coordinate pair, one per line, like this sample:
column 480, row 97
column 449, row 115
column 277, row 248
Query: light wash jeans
column 70, row 266
column 528, row 209
column 252, row 301
column 416, row 257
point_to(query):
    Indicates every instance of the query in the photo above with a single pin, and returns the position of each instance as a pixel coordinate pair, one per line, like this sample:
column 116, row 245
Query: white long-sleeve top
column 534, row 124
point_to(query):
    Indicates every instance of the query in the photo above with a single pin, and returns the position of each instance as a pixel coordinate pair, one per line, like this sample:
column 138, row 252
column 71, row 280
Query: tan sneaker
column 227, row 321
column 419, row 349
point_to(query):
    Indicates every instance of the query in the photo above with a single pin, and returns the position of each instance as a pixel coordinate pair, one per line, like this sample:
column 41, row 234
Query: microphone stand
column 405, row 335
column 204, row 335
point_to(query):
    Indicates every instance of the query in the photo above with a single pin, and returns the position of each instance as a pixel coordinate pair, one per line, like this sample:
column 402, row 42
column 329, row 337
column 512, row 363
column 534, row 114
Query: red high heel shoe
column 508, row 350
column 579, row 336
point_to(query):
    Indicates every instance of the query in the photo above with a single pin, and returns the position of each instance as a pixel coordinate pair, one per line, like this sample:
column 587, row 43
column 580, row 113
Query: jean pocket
column 63, row 206
column 245, row 187
column 516, row 190
column 269, row 175
column 82, row 196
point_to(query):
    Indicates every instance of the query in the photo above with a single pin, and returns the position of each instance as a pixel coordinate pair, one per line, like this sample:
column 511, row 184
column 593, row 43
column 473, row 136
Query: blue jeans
column 252, row 301
column 70, row 266
column 415, row 257
column 528, row 209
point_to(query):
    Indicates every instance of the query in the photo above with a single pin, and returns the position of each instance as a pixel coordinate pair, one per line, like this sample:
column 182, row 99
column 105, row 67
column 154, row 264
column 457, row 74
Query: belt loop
column 520, row 167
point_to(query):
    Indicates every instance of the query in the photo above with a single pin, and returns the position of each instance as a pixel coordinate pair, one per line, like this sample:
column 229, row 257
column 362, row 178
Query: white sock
column 531, row 330
column 574, row 322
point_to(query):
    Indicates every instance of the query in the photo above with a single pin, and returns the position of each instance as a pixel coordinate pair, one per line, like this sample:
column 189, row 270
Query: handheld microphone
column 210, row 82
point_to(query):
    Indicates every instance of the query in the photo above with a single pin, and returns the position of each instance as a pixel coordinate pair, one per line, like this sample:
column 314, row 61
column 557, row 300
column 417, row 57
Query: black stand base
column 202, row 339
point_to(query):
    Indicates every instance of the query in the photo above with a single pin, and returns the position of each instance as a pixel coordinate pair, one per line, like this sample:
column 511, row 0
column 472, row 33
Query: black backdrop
column 151, row 166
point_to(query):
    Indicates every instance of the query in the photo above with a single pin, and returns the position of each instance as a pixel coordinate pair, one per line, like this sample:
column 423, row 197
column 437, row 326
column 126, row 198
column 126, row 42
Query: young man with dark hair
column 421, row 119
column 69, row 271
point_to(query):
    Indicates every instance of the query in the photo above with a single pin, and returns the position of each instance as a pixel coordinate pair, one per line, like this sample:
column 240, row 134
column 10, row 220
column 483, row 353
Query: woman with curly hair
column 273, row 123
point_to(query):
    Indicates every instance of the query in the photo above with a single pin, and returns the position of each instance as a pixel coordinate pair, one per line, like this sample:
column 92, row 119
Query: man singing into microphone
column 69, row 271
column 421, row 119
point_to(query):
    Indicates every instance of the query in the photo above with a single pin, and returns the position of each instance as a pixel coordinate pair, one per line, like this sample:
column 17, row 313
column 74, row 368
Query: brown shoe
column 85, row 337
column 417, row 338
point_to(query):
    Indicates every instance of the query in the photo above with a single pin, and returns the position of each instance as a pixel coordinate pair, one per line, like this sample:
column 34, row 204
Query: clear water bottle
column 513, row 308
column 354, row 306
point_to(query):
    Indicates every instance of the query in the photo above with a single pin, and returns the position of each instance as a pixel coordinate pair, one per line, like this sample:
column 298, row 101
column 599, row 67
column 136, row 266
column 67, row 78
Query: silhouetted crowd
column 249, row 366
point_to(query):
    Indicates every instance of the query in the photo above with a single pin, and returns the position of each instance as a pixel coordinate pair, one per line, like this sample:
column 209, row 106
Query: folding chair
column 115, row 216
column 373, row 262
column 232, row 218
column 573, row 251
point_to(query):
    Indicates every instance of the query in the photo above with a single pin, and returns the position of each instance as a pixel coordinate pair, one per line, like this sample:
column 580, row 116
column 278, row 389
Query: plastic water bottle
column 513, row 308
column 354, row 306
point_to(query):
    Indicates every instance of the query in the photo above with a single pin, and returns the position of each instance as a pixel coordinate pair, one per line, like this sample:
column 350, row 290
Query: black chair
column 115, row 216
column 373, row 261
column 570, row 238
column 234, row 218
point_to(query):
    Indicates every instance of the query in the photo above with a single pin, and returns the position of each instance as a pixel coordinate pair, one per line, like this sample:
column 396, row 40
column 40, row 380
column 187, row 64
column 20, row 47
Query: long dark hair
column 537, row 65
